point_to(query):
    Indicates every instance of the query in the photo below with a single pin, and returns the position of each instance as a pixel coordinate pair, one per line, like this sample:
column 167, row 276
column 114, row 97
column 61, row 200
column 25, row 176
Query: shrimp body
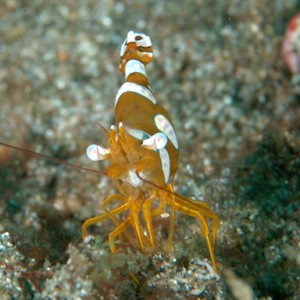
column 143, row 158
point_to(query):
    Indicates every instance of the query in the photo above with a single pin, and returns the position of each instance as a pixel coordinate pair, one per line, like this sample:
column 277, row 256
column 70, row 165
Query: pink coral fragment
column 291, row 45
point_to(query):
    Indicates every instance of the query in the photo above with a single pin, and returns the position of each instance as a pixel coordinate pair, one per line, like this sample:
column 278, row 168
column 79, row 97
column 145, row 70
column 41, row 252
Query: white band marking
column 134, row 66
column 135, row 88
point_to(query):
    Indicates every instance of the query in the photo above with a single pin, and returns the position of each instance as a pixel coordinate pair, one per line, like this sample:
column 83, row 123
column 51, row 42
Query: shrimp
column 143, row 158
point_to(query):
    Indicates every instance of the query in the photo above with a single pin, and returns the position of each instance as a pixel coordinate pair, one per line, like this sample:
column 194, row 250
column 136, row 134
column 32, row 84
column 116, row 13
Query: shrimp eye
column 138, row 38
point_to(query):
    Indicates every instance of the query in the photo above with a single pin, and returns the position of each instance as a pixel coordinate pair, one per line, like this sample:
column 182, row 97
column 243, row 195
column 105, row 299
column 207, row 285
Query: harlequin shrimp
column 142, row 160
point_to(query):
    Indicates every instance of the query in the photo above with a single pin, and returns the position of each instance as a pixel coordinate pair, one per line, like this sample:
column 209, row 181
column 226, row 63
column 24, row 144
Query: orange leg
column 112, row 197
column 172, row 219
column 147, row 216
column 113, row 217
column 157, row 211
column 134, row 218
column 191, row 209
column 205, row 211
column 118, row 230
column 107, row 201
column 116, row 211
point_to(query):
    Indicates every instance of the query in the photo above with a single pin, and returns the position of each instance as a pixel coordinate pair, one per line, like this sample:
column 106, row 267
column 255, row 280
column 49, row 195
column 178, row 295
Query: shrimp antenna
column 103, row 128
column 153, row 184
column 163, row 188
column 59, row 161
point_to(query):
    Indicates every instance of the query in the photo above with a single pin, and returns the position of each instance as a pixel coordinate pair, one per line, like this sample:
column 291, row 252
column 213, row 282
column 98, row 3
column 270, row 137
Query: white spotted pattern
column 165, row 163
column 137, row 133
column 164, row 125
